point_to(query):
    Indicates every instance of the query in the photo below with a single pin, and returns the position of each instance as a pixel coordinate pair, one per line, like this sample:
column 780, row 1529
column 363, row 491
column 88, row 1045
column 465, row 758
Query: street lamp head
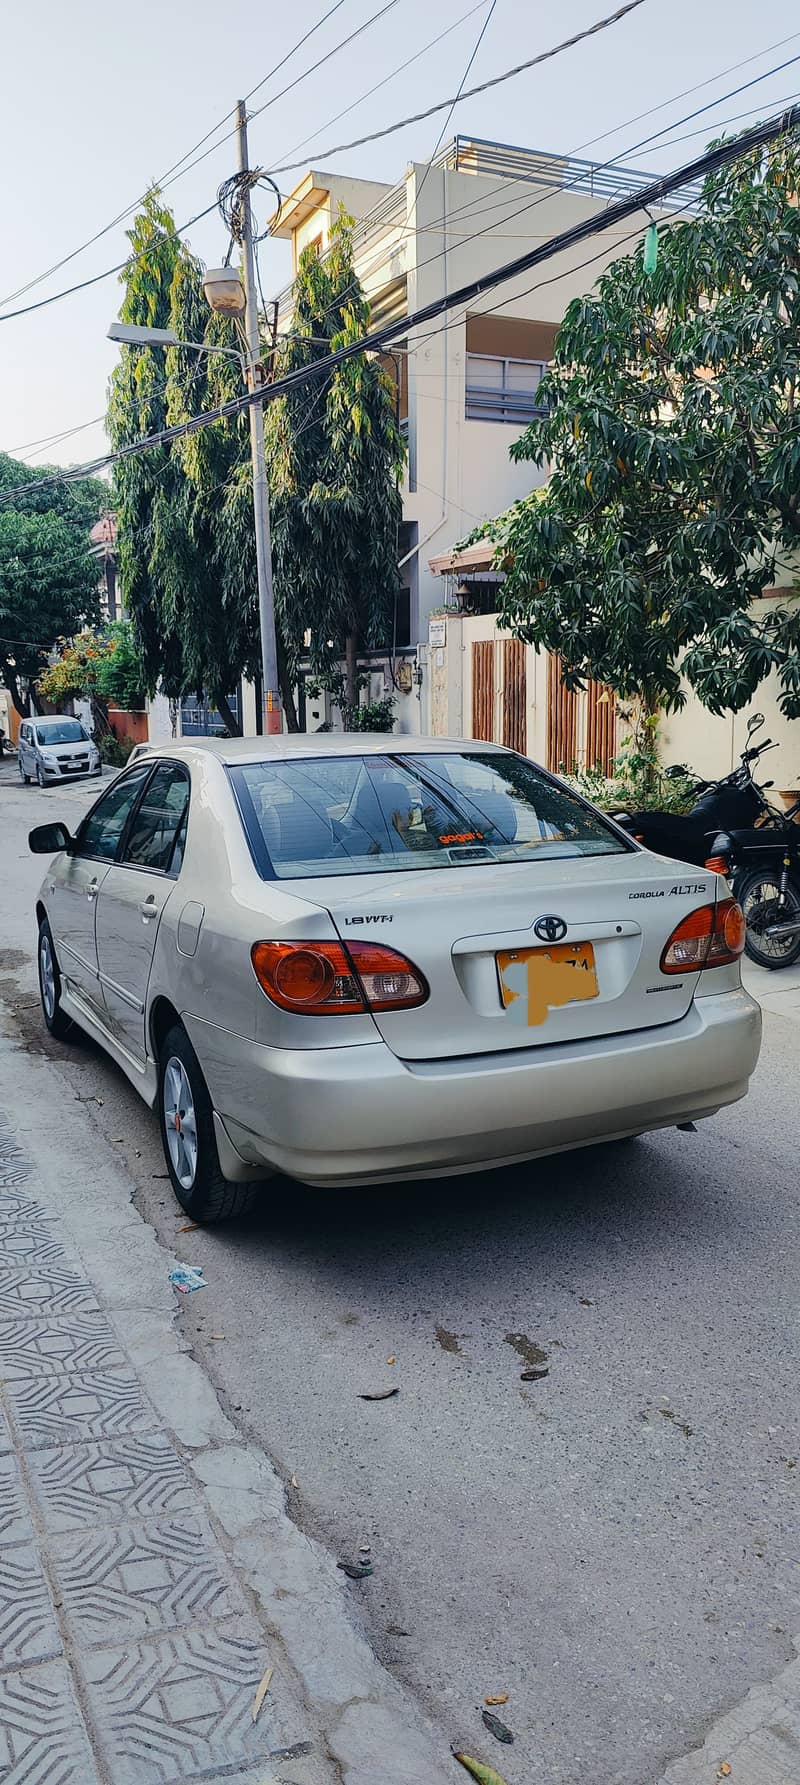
column 224, row 290
column 134, row 336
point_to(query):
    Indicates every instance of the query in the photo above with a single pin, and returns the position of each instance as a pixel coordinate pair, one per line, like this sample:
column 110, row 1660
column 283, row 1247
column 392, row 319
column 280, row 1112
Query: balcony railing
column 502, row 389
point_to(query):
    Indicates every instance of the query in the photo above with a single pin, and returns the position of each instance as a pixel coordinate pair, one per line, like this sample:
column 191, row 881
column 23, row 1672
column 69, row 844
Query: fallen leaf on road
column 356, row 1570
column 724, row 1771
column 380, row 1394
column 216, row 1335
column 499, row 1730
column 391, row 1360
column 293, row 1482
column 262, row 1691
column 497, row 1698
column 485, row 1775
column 193, row 1227
column 533, row 1375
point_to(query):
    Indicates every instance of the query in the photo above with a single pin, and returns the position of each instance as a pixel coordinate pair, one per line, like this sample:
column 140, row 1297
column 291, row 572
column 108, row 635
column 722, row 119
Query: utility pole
column 266, row 600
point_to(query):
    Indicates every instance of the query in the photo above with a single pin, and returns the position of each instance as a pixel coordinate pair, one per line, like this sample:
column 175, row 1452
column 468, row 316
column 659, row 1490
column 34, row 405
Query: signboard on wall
column 437, row 630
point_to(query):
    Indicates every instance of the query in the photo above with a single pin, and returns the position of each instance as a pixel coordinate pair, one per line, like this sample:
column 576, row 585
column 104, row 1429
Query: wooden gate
column 514, row 695
column 601, row 727
column 562, row 719
column 483, row 688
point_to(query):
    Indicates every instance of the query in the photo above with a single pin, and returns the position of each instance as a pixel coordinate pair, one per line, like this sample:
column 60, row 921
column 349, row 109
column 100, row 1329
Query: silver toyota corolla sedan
column 358, row 959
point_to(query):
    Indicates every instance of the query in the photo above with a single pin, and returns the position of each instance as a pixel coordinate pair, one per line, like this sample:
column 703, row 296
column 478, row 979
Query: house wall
column 693, row 736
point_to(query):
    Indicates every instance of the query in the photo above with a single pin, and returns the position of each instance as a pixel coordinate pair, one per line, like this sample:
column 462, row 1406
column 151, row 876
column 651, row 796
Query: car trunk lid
column 595, row 970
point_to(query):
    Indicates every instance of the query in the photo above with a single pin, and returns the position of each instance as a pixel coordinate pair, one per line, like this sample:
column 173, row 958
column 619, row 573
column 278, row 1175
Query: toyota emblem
column 550, row 928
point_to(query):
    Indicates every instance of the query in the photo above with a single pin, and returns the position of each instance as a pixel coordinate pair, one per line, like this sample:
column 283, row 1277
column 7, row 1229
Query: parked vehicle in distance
column 138, row 751
column 54, row 749
column 358, row 959
column 736, row 799
column 763, row 866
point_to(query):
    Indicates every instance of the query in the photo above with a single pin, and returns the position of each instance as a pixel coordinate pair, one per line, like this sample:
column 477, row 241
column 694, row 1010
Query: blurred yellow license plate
column 534, row 981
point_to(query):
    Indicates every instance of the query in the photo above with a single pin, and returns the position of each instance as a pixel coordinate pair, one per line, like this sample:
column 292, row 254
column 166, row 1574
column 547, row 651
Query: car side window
column 102, row 830
column 157, row 828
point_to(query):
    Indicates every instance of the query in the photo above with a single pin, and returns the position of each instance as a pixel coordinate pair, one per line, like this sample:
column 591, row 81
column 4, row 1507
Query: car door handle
column 148, row 907
column 92, row 890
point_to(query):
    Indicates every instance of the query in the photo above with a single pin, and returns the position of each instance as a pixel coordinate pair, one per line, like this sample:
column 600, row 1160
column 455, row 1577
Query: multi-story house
column 467, row 384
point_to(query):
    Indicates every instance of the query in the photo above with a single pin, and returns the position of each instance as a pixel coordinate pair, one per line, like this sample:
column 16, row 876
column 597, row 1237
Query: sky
column 97, row 102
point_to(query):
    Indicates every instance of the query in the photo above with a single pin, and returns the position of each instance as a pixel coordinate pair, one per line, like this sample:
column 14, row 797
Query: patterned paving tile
column 14, row 1167
column 32, row 1245
column 50, row 1287
column 6, row 1440
column 42, row 1740
column 96, row 1404
column 27, row 1622
column 15, row 1518
column 103, row 1483
column 176, row 1707
column 45, row 1347
column 16, row 1207
column 126, row 1580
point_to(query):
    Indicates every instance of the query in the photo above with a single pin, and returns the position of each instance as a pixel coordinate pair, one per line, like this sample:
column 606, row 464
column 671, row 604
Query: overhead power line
column 375, row 339
column 469, row 93
column 178, row 169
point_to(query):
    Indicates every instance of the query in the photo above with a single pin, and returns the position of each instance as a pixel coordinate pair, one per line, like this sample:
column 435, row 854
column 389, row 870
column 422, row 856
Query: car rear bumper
column 358, row 1114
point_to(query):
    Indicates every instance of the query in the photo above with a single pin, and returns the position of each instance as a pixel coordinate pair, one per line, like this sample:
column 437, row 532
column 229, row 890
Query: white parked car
column 360, row 959
column 54, row 749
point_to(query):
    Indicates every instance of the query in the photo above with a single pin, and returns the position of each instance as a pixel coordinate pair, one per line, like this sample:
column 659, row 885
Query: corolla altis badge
column 549, row 928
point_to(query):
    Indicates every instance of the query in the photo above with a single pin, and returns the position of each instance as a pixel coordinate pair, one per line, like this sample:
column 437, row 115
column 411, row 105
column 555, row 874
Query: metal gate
column 601, row 727
column 562, row 719
column 483, row 688
column 515, row 687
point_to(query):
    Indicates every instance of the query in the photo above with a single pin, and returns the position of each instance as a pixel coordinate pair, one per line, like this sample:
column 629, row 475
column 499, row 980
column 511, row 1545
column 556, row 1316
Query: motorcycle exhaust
column 776, row 931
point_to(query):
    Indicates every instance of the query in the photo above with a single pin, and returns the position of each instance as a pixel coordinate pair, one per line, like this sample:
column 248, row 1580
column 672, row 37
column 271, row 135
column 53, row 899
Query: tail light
column 718, row 864
column 329, row 979
column 712, row 936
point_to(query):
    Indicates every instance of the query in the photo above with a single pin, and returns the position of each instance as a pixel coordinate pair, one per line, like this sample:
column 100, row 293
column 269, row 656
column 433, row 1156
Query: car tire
column 39, row 774
column 60, row 1026
column 25, row 779
column 187, row 1137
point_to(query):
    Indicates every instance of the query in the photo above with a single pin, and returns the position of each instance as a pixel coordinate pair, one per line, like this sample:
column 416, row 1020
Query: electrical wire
column 470, row 93
column 643, row 200
column 177, row 168
column 460, row 94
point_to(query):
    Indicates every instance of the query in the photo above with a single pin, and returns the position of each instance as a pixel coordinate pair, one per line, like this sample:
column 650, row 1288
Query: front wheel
column 759, row 895
column 40, row 774
column 187, row 1136
column 25, row 779
column 61, row 1027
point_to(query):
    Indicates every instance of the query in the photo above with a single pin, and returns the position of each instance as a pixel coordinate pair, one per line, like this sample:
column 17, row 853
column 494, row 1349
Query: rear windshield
column 373, row 814
column 62, row 731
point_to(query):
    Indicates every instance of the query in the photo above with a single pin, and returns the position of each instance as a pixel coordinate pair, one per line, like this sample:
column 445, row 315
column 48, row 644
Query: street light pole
column 266, row 600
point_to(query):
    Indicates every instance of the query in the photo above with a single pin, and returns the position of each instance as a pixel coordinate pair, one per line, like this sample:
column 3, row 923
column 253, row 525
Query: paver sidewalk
column 149, row 1572
column 129, row 1650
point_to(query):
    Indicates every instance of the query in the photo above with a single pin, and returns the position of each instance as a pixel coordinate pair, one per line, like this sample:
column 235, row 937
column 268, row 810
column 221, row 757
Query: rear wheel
column 759, row 896
column 187, row 1136
column 61, row 1027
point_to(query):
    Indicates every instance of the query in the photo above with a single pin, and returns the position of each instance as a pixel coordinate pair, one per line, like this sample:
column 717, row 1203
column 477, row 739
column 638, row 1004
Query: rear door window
column 159, row 821
column 370, row 814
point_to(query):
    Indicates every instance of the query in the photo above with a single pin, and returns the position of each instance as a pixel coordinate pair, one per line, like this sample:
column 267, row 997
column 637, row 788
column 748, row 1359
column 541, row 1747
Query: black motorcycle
column 764, row 869
column 731, row 803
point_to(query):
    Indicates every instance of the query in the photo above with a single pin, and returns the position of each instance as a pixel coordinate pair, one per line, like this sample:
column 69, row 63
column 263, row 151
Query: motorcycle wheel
column 759, row 896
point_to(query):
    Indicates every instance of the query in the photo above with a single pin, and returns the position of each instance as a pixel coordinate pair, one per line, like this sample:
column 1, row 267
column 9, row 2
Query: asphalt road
column 614, row 1545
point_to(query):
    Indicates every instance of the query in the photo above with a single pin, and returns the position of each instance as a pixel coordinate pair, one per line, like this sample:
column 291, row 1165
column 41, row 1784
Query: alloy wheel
column 180, row 1122
column 48, row 975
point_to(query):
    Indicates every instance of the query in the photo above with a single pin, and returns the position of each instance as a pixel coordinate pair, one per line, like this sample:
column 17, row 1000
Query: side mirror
column 755, row 723
column 48, row 839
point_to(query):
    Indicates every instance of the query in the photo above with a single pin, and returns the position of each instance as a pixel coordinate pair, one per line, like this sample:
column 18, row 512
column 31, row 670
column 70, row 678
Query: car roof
column 234, row 751
column 54, row 719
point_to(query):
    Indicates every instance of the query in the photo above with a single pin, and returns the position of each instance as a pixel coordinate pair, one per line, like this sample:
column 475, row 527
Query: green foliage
column 114, row 751
column 335, row 458
column 48, row 577
column 369, row 715
column 120, row 672
column 673, row 440
column 188, row 577
column 635, row 783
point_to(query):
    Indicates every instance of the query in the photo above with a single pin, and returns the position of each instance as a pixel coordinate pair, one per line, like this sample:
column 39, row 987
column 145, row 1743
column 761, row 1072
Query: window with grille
column 502, row 389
